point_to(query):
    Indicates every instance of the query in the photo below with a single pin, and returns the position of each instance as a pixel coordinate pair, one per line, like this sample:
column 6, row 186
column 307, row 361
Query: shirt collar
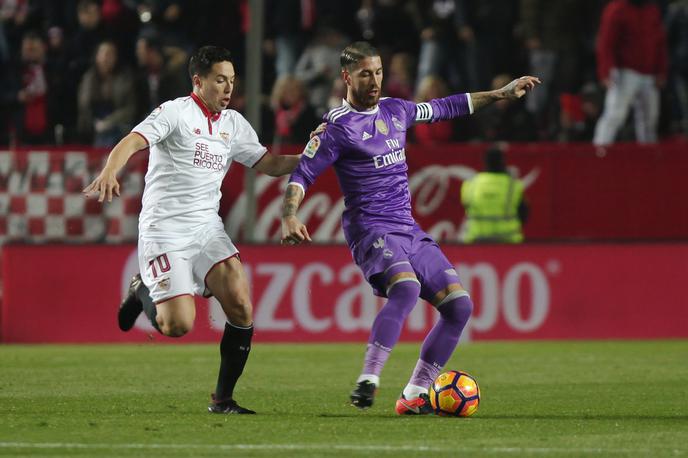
column 367, row 112
column 206, row 112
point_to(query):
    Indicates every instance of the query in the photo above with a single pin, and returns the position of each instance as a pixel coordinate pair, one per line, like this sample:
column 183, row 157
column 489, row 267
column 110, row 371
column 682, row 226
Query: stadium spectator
column 488, row 33
column 183, row 247
column 494, row 202
column 294, row 117
column 57, row 72
column 365, row 142
column 337, row 94
column 80, row 49
column 106, row 105
column 433, row 87
column 504, row 120
column 632, row 65
column 579, row 114
column 439, row 22
column 380, row 21
column 288, row 28
column 677, row 37
column 399, row 80
column 27, row 93
column 267, row 117
column 159, row 77
column 318, row 66
column 552, row 36
column 168, row 18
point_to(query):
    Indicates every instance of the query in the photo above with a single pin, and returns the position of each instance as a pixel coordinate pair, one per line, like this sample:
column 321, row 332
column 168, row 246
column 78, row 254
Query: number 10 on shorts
column 163, row 264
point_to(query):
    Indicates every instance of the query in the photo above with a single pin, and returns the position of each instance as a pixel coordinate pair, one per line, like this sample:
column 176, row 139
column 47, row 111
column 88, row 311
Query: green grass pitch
column 539, row 399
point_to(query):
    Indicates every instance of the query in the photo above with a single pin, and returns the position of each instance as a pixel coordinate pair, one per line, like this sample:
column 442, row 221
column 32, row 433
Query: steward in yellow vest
column 494, row 203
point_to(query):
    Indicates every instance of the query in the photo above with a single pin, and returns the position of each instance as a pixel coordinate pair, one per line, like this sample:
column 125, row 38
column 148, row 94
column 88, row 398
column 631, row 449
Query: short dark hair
column 494, row 159
column 353, row 53
column 203, row 60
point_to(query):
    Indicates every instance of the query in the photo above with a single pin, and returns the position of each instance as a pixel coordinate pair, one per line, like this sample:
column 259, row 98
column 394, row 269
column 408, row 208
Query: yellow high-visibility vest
column 491, row 201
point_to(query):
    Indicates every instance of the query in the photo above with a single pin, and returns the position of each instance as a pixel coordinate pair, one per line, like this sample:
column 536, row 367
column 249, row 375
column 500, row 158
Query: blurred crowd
column 86, row 71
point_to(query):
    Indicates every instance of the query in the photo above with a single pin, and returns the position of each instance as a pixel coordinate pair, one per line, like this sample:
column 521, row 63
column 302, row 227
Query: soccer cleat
column 418, row 406
column 228, row 406
column 362, row 396
column 131, row 307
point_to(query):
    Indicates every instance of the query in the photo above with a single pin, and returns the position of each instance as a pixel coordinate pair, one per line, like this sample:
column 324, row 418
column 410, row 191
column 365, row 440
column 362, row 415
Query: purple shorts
column 382, row 250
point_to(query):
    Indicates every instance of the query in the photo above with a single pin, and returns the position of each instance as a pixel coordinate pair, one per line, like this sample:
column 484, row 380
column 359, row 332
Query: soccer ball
column 455, row 394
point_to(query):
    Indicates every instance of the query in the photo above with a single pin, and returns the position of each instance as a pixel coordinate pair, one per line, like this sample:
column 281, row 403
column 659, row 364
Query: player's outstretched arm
column 512, row 91
column 277, row 166
column 106, row 183
column 293, row 230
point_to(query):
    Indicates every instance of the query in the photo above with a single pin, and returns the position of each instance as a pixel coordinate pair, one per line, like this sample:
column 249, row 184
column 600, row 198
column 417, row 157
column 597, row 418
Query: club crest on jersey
column 381, row 127
column 154, row 114
column 224, row 136
column 312, row 147
column 164, row 284
column 397, row 123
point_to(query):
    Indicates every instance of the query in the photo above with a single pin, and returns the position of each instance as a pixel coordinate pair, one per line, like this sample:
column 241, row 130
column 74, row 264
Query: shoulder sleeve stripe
column 335, row 111
column 339, row 115
column 423, row 112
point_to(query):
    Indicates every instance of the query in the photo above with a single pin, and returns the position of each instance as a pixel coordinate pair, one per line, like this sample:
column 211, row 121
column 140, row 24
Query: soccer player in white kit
column 183, row 249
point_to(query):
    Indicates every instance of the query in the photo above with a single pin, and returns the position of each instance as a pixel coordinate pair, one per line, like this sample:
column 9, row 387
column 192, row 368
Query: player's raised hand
column 104, row 185
column 318, row 130
column 518, row 87
column 294, row 231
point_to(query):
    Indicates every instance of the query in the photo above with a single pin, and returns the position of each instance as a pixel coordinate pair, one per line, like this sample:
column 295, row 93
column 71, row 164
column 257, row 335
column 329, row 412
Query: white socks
column 414, row 391
column 372, row 378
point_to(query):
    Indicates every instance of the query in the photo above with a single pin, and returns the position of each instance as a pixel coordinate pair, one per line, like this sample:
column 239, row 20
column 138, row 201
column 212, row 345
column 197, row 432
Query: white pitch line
column 324, row 447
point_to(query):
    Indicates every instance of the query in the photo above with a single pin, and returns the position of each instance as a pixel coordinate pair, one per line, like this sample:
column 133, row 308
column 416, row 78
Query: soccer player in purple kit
column 364, row 140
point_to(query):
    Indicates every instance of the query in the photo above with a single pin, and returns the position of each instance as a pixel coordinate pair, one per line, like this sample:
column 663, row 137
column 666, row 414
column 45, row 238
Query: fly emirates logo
column 397, row 154
column 204, row 159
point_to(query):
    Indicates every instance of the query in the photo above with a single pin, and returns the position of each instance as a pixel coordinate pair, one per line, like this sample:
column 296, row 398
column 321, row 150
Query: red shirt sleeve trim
column 261, row 158
column 142, row 136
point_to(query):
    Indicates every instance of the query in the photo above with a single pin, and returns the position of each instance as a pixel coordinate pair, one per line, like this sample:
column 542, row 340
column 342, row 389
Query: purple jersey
column 367, row 149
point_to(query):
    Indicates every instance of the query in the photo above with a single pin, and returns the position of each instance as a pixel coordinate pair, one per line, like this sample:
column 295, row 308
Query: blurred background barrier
column 316, row 294
column 575, row 191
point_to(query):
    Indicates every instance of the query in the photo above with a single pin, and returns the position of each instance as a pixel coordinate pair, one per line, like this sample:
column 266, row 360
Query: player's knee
column 457, row 309
column 175, row 327
column 404, row 293
column 404, row 286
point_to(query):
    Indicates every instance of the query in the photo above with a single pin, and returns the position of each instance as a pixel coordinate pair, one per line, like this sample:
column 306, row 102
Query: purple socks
column 441, row 341
column 387, row 326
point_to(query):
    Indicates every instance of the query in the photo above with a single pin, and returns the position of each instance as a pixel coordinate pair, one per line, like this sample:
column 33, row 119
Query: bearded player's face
column 364, row 82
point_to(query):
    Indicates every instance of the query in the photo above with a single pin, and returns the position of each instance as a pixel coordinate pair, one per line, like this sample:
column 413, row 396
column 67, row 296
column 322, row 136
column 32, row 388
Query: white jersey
column 191, row 150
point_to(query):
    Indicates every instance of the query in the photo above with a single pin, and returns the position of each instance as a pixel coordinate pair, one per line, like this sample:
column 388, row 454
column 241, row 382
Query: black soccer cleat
column 131, row 307
column 364, row 393
column 227, row 407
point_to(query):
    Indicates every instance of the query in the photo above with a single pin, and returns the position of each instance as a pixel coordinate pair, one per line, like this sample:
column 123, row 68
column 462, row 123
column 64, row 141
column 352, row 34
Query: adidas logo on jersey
column 366, row 136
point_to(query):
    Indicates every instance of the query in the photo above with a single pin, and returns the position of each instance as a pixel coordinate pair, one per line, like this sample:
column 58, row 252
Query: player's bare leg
column 175, row 317
column 227, row 282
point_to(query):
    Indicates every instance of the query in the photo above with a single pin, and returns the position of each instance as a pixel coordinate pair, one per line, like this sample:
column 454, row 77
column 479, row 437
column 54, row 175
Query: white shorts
column 169, row 270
